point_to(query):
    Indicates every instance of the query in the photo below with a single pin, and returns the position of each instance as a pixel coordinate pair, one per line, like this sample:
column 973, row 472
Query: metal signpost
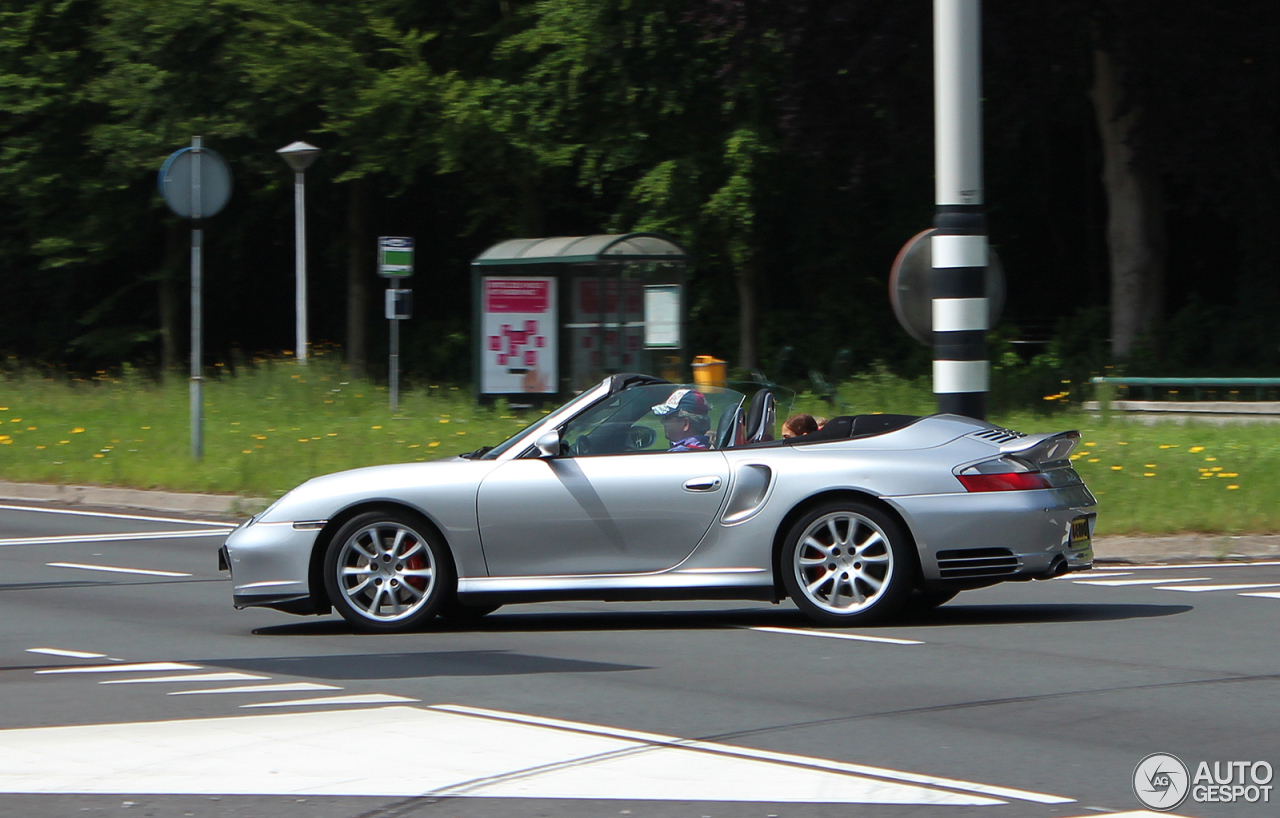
column 196, row 184
column 395, row 260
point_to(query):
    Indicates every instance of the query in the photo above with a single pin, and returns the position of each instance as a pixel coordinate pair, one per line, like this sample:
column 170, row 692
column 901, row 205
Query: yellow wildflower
column 1195, row 449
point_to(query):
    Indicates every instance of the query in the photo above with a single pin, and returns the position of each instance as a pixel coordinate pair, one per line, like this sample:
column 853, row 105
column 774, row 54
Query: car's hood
column 321, row 497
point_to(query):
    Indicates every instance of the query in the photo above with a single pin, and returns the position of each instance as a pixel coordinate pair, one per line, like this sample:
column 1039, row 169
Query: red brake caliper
column 415, row 563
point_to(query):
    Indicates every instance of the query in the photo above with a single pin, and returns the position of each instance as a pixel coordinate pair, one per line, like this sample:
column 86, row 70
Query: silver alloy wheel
column 386, row 571
column 843, row 562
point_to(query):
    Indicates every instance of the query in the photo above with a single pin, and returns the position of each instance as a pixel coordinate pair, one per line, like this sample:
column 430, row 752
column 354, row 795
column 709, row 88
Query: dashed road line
column 230, row 676
column 283, row 687
column 1120, row 583
column 143, row 667
column 855, row 637
column 1202, row 588
column 1199, row 565
column 69, row 654
column 1264, row 594
column 355, row 698
column 111, row 569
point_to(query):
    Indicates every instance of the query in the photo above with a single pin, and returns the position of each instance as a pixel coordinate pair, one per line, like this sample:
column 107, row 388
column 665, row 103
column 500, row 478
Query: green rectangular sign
column 395, row 256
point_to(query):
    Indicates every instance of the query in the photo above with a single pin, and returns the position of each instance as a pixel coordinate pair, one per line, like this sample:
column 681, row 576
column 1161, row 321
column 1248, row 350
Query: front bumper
column 270, row 565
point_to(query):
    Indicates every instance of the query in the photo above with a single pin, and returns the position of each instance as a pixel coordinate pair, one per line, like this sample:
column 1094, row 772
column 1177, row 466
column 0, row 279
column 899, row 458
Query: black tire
column 456, row 611
column 388, row 571
column 846, row 563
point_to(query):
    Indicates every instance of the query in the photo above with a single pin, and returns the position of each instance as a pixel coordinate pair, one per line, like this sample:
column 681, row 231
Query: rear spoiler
column 1048, row 451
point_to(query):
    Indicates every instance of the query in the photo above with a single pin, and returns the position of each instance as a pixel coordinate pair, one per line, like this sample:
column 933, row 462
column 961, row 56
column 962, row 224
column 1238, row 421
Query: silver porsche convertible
column 641, row 489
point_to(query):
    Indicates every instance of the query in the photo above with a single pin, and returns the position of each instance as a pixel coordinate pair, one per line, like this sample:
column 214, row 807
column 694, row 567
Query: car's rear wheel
column 846, row 563
column 387, row 571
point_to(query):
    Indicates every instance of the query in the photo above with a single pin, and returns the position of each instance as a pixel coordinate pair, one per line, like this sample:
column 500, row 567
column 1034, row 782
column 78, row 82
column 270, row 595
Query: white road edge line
column 1265, row 594
column 140, row 535
column 138, row 668
column 111, row 569
column 230, row 676
column 1223, row 564
column 216, row 523
column 355, row 698
column 765, row 755
column 856, row 637
column 1201, row 588
column 284, row 687
column 1118, row 583
column 70, row 654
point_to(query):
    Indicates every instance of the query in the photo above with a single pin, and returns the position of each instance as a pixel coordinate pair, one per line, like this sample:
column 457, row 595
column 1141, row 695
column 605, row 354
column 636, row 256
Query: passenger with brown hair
column 796, row 425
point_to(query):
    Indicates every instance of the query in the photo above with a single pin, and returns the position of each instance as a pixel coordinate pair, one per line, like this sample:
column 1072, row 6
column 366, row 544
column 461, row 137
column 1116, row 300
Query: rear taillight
column 1009, row 481
column 1003, row 474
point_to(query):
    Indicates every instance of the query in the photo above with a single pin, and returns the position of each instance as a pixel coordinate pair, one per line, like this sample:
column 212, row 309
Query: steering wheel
column 640, row 437
column 581, row 446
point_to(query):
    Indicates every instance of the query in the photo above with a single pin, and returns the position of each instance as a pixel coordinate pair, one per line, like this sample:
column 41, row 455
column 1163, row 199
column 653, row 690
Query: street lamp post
column 300, row 155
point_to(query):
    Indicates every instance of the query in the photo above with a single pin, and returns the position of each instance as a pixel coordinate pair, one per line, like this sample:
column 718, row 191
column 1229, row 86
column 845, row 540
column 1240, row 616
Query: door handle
column 710, row 483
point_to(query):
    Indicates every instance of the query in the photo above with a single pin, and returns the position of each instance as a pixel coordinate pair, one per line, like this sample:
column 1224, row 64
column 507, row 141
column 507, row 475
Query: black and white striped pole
column 961, row 311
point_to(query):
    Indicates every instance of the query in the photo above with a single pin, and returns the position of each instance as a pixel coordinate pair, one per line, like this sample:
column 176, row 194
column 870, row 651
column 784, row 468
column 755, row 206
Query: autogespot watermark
column 1162, row 782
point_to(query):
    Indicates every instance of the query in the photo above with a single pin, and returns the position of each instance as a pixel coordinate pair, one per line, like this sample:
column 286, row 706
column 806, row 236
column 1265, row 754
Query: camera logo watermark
column 1161, row 781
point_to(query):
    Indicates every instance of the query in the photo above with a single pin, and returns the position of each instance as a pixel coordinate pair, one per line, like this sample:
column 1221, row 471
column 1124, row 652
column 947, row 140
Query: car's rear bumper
column 983, row 537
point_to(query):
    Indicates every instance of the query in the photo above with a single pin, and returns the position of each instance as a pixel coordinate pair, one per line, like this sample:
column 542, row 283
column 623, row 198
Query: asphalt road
column 148, row 694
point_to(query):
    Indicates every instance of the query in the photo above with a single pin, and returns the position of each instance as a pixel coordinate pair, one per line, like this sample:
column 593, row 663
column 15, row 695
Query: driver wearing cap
column 686, row 418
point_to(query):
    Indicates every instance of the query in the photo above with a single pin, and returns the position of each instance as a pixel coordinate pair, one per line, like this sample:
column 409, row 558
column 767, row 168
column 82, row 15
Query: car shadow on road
column 523, row 620
column 417, row 665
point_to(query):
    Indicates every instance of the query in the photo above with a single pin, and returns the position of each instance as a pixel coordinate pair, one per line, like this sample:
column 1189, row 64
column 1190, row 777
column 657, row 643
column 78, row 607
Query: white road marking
column 215, row 523
column 425, row 752
column 764, row 755
column 856, row 637
column 70, row 654
column 111, row 569
column 1135, row 814
column 190, row 677
column 1200, row 588
column 1197, row 565
column 284, row 687
column 1265, row 594
column 354, row 698
column 1074, row 576
column 121, row 537
column 1115, row 583
column 137, row 668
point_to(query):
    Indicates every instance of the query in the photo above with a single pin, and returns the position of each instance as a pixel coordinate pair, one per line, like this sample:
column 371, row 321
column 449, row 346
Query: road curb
column 230, row 505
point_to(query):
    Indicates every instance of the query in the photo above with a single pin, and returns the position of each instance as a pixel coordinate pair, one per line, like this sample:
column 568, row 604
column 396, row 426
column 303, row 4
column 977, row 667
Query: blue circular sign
column 195, row 182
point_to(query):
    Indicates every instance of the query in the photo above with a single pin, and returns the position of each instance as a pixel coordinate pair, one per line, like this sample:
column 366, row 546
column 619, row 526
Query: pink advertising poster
column 518, row 341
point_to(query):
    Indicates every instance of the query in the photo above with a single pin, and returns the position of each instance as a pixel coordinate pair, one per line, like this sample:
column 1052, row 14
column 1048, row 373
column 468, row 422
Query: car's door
column 616, row 501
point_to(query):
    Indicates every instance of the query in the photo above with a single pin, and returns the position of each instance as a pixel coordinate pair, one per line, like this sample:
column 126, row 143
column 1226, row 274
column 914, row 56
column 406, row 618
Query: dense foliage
column 788, row 144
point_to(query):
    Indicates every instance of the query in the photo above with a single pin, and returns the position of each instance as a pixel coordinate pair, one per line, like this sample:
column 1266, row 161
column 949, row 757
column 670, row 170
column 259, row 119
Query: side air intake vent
column 977, row 562
column 997, row 435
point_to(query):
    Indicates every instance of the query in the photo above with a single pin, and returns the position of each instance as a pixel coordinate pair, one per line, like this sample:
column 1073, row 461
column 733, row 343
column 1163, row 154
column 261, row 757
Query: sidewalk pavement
column 1136, row 549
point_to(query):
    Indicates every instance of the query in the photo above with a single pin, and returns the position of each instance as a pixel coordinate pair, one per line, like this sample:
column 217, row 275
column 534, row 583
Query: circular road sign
column 177, row 176
column 910, row 291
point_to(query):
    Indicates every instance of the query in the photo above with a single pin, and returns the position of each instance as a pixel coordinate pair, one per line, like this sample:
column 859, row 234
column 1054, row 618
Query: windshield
column 650, row 419
column 549, row 421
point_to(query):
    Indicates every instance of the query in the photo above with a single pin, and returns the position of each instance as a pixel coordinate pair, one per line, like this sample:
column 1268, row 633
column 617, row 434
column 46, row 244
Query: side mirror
column 548, row 444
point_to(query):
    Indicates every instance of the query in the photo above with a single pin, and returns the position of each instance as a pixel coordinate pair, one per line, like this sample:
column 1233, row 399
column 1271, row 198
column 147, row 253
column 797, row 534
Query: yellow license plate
column 1080, row 531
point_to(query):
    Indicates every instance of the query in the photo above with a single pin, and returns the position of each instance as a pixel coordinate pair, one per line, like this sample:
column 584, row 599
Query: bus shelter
column 552, row 317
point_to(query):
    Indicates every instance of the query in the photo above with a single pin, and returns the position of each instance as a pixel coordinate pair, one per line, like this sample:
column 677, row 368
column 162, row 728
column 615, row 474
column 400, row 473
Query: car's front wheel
column 387, row 571
column 846, row 563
